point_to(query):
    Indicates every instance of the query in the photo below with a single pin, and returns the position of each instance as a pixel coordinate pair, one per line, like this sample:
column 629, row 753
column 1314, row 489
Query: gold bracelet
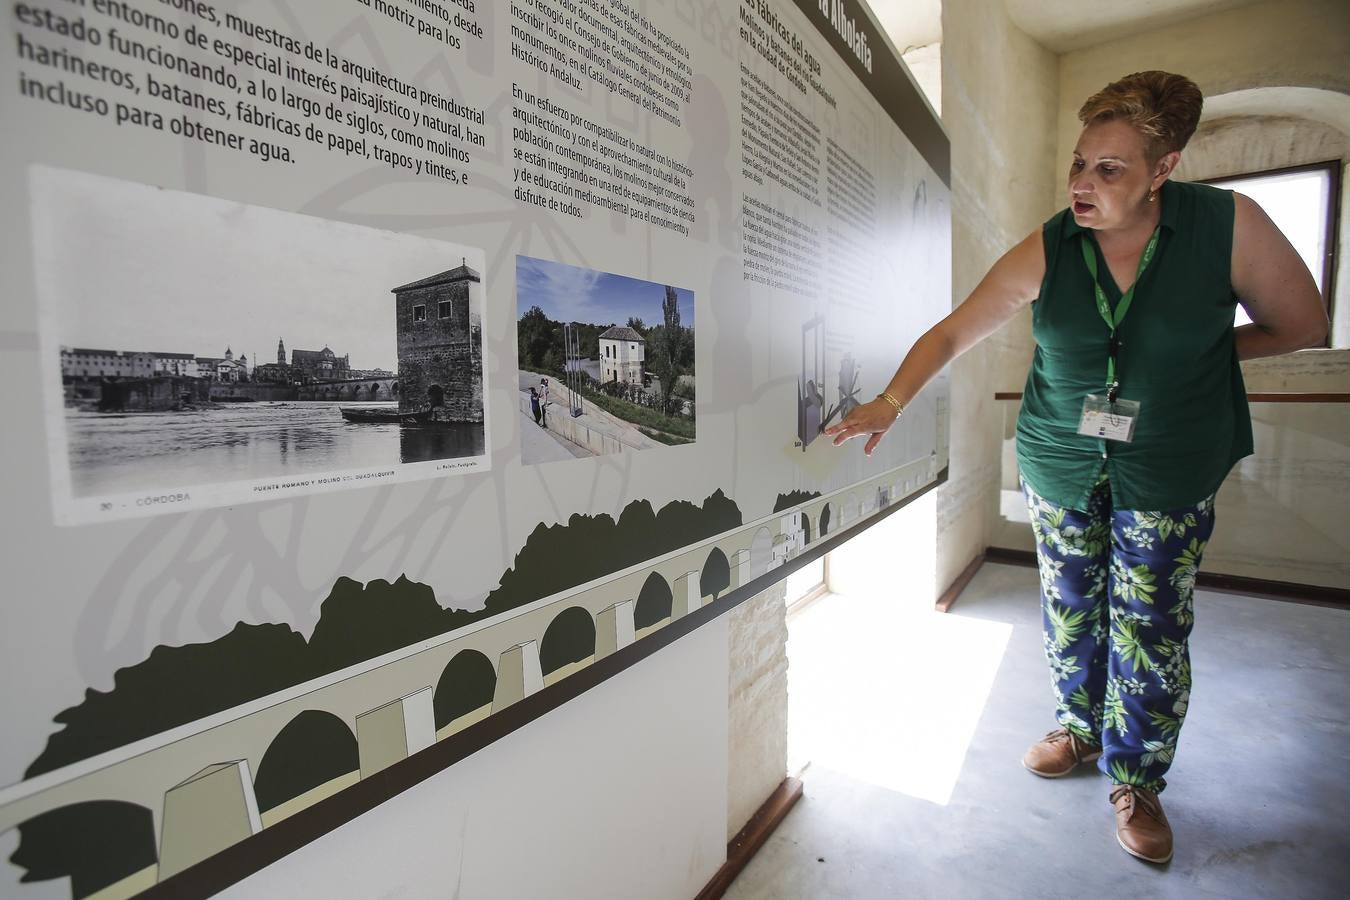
column 899, row 407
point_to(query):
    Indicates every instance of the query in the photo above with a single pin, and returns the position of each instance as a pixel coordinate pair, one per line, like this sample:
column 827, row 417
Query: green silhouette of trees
column 94, row 844
column 794, row 498
column 358, row 622
column 557, row 557
column 177, row 685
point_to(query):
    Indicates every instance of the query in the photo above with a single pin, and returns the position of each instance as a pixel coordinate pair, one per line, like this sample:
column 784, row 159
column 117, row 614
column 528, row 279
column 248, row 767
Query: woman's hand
column 872, row 419
column 1010, row 286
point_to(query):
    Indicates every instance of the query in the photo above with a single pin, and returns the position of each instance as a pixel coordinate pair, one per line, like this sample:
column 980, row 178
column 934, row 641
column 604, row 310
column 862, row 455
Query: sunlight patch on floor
column 888, row 696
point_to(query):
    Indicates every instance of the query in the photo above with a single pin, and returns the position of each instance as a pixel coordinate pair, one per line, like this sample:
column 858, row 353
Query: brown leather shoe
column 1141, row 826
column 1058, row 753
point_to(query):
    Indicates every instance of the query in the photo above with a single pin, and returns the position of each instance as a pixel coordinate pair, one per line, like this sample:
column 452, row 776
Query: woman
column 534, row 406
column 1133, row 413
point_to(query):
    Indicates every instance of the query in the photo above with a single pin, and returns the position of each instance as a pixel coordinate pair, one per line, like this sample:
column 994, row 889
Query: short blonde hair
column 1163, row 107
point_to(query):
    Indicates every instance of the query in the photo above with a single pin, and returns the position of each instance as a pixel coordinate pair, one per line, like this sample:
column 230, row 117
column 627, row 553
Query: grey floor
column 1259, row 797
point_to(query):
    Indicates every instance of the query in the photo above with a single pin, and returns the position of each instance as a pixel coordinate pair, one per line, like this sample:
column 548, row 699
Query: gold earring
column 1152, row 195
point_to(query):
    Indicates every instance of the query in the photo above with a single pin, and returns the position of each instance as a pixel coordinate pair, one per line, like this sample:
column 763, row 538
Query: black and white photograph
column 606, row 362
column 207, row 352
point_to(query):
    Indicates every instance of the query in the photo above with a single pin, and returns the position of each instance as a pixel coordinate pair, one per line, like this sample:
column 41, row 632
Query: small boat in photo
column 377, row 416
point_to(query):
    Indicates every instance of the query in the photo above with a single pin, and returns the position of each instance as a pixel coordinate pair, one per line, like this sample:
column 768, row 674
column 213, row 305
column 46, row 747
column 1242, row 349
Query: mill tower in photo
column 440, row 346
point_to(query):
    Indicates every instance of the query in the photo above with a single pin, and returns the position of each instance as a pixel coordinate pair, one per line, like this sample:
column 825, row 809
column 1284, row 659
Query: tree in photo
column 666, row 341
column 535, row 336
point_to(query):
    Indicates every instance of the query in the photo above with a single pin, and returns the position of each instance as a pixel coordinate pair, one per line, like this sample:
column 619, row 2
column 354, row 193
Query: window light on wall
column 1304, row 203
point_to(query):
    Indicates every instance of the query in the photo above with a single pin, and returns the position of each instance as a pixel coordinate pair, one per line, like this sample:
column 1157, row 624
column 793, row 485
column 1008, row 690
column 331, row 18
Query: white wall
column 999, row 96
column 1297, row 43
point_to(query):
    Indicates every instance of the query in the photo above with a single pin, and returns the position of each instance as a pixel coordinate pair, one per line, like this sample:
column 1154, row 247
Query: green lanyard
column 1113, row 319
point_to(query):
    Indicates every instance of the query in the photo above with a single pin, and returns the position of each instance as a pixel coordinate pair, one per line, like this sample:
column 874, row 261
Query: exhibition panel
column 376, row 366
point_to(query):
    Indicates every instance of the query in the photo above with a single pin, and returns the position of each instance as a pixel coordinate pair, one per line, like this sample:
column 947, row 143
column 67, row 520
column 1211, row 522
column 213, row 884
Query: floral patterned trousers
column 1116, row 603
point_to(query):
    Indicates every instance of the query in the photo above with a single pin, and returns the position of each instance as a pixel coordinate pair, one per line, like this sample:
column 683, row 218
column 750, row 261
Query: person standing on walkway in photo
column 1133, row 413
column 543, row 401
column 535, row 408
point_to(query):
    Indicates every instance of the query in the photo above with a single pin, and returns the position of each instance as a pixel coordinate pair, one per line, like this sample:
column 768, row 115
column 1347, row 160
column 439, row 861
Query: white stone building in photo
column 622, row 354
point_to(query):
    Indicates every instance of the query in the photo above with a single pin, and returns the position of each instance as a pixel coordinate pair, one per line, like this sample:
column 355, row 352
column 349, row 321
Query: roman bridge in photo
column 354, row 389
column 176, row 798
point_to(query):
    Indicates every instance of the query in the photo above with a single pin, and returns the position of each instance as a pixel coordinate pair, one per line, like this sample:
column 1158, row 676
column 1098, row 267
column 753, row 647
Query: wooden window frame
column 1332, row 225
column 815, row 592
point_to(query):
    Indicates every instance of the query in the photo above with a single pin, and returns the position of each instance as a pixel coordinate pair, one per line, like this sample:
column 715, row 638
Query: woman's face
column 1110, row 176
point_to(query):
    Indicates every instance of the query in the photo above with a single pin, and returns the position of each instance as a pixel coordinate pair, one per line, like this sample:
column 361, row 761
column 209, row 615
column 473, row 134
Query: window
column 1304, row 203
column 419, row 313
column 443, row 309
column 807, row 583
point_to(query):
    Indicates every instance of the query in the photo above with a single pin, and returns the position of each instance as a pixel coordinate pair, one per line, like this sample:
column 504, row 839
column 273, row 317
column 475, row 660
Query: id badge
column 1112, row 421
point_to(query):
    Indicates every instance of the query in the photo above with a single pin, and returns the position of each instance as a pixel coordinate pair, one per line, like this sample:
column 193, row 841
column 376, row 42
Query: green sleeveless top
column 1177, row 359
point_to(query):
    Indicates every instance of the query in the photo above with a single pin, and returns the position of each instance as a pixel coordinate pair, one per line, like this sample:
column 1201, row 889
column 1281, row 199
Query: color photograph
column 606, row 362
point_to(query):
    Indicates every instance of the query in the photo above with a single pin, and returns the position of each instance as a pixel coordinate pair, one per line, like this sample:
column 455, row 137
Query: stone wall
column 757, row 703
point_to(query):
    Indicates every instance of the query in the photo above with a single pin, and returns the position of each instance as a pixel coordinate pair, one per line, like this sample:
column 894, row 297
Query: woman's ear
column 1165, row 166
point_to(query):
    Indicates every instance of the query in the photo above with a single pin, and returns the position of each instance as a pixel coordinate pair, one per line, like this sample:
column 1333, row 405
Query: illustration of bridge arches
column 463, row 692
column 825, row 516
column 761, row 552
column 654, row 602
column 313, row 756
column 96, row 844
column 568, row 644
column 806, row 528
column 716, row 574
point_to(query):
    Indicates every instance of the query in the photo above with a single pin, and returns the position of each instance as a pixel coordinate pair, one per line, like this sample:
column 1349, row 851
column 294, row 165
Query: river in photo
column 113, row 453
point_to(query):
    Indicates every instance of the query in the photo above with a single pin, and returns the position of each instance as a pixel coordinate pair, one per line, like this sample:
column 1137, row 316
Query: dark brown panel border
column 888, row 82
column 1267, row 397
column 743, row 847
column 253, row 854
column 1290, row 591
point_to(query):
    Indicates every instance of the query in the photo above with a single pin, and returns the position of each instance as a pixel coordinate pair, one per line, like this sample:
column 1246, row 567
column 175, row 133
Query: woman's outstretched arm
column 1010, row 285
